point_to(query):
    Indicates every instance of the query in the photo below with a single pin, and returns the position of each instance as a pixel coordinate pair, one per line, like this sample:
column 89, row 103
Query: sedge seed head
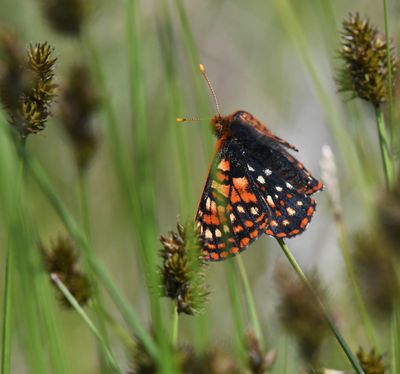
column 61, row 258
column 66, row 16
column 181, row 271
column 371, row 362
column 364, row 72
column 27, row 88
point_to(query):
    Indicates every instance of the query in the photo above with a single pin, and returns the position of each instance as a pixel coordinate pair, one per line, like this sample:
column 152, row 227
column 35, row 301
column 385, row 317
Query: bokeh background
column 254, row 64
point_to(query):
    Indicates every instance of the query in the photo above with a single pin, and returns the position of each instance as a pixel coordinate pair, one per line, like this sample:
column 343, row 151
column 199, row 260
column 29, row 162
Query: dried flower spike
column 182, row 279
column 14, row 77
column 259, row 361
column 371, row 362
column 66, row 16
column 61, row 259
column 27, row 97
column 365, row 70
column 79, row 102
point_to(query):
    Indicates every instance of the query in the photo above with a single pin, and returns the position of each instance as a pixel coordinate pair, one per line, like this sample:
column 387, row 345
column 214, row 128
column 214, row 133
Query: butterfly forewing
column 229, row 215
column 271, row 151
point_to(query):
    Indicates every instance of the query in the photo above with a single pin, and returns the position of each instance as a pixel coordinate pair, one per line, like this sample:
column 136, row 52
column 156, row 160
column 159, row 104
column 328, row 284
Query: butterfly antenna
column 203, row 71
column 190, row 119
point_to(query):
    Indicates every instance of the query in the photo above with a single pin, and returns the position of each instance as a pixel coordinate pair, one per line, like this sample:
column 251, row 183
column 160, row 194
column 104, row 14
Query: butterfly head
column 221, row 125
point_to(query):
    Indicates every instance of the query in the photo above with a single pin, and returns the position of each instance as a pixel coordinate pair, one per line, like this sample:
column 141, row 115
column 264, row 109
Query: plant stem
column 175, row 326
column 111, row 360
column 384, row 147
column 395, row 338
column 98, row 305
column 390, row 78
column 7, row 313
column 236, row 310
column 250, row 301
column 353, row 360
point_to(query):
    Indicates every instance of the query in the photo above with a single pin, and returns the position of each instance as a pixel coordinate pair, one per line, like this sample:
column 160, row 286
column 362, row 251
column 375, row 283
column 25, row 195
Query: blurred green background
column 255, row 65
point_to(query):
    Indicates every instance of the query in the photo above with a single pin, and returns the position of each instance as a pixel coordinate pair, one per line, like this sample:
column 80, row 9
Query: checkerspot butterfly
column 254, row 186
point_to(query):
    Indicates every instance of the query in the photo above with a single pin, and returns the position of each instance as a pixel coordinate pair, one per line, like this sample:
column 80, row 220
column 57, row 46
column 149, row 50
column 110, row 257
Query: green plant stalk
column 48, row 307
column 390, row 78
column 7, row 315
column 353, row 360
column 175, row 326
column 199, row 84
column 238, row 319
column 44, row 304
column 395, row 339
column 130, row 194
column 98, row 305
column 101, row 273
column 111, row 360
column 167, row 42
column 10, row 199
column 384, row 147
column 146, row 223
column 356, row 290
column 250, row 301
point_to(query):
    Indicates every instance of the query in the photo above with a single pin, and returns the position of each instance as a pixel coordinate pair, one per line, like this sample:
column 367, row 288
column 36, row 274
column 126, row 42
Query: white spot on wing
column 208, row 203
column 270, row 201
column 254, row 211
column 267, row 172
column 278, row 188
column 290, row 211
column 261, row 179
column 218, row 233
column 232, row 217
column 208, row 234
column 288, row 185
column 240, row 209
column 249, row 167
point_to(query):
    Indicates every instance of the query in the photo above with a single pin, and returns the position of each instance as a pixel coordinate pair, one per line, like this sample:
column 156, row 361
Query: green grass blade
column 392, row 126
column 7, row 315
column 388, row 168
column 395, row 339
column 250, row 301
column 88, row 323
column 342, row 342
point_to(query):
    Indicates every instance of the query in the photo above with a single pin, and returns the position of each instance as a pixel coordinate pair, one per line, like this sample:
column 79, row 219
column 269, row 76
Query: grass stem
column 384, row 147
column 7, row 315
column 250, row 301
column 175, row 326
column 111, row 360
column 353, row 360
column 390, row 78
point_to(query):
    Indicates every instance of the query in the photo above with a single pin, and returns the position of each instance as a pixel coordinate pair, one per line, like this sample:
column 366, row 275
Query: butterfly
column 254, row 186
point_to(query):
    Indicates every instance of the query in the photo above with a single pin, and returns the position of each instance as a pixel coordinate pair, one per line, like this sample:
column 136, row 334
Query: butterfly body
column 254, row 186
